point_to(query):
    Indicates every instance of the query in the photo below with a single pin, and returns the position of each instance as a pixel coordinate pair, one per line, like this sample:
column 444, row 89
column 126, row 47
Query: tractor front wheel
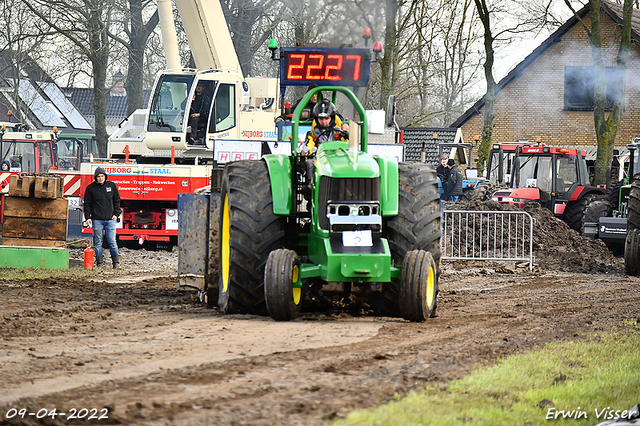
column 632, row 252
column 418, row 286
column 280, row 273
column 482, row 192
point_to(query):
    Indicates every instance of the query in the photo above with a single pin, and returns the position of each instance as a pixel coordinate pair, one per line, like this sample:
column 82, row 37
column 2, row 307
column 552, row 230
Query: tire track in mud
column 175, row 369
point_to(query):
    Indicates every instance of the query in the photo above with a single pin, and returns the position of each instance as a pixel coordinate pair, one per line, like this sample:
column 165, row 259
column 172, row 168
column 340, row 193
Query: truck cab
column 28, row 152
column 25, row 152
column 71, row 150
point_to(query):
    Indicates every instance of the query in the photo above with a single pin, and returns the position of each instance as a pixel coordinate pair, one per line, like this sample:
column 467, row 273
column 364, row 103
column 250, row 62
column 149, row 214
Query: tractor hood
column 334, row 160
column 517, row 196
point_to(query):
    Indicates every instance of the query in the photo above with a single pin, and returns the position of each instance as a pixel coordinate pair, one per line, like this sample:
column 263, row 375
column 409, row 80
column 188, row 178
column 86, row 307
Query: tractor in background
column 498, row 174
column 626, row 199
column 558, row 179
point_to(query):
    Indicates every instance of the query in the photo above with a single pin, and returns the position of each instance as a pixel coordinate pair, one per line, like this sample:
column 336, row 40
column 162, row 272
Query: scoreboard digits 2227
column 339, row 67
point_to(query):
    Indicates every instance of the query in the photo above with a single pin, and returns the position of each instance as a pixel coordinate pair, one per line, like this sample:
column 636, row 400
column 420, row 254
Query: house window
column 579, row 83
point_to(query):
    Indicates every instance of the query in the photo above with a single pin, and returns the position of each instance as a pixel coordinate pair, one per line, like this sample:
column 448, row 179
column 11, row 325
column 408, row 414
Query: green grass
column 601, row 371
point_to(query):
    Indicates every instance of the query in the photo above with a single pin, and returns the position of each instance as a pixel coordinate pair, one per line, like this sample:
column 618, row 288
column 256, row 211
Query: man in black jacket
column 101, row 209
column 454, row 184
column 443, row 174
column 199, row 113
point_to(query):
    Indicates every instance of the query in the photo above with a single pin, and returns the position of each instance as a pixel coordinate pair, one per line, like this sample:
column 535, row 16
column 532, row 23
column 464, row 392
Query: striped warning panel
column 4, row 182
column 72, row 186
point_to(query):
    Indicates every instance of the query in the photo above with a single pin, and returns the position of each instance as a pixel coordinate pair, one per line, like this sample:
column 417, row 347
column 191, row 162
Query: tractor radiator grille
column 345, row 189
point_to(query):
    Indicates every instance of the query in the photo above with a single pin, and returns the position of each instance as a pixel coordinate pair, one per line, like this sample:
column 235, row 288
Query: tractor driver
column 326, row 126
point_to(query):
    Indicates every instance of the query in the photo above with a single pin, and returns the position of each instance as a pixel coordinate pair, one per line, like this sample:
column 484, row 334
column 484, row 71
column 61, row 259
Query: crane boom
column 169, row 37
column 209, row 51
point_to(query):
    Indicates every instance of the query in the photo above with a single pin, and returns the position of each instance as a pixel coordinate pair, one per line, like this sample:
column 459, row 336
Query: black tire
column 482, row 192
column 281, row 271
column 614, row 195
column 212, row 278
column 632, row 252
column 249, row 231
column 599, row 207
column 418, row 286
column 587, row 209
column 633, row 206
column 416, row 227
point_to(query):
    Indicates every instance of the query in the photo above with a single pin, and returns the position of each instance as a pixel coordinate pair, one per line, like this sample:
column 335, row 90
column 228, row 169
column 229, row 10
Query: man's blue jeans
column 109, row 229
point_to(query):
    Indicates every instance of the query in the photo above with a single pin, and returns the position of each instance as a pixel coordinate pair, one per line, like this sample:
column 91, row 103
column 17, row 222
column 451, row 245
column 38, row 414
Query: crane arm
column 201, row 22
column 169, row 37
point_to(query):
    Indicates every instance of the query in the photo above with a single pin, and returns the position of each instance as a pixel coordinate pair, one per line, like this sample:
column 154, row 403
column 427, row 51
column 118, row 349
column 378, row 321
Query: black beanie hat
column 451, row 162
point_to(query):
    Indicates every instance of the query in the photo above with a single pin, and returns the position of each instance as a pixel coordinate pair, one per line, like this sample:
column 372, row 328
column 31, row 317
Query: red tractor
column 501, row 160
column 499, row 170
column 558, row 179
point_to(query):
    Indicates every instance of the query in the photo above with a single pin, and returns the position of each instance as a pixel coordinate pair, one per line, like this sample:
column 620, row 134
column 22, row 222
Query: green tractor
column 369, row 224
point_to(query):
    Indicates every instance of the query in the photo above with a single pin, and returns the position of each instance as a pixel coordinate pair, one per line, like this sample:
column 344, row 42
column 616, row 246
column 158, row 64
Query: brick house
column 547, row 95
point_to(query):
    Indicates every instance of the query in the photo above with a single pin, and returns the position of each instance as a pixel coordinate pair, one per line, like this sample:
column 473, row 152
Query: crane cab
column 191, row 111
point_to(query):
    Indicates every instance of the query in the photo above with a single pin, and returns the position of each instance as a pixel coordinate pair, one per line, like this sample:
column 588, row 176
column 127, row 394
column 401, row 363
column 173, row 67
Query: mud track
column 154, row 356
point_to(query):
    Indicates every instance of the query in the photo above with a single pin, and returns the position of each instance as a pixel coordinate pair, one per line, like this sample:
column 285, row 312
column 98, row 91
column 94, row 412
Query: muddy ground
column 127, row 341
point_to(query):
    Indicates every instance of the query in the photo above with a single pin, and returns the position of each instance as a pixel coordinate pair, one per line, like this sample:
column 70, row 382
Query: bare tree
column 137, row 34
column 22, row 43
column 251, row 23
column 85, row 24
column 509, row 21
column 388, row 62
column 490, row 96
column 443, row 60
column 607, row 127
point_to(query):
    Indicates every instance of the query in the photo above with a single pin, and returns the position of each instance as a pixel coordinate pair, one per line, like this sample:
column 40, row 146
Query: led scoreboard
column 301, row 66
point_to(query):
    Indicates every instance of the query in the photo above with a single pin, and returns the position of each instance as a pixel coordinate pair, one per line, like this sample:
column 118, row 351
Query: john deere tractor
column 367, row 224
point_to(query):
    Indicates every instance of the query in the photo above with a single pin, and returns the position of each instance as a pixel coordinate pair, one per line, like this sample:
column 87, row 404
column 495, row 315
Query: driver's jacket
column 316, row 135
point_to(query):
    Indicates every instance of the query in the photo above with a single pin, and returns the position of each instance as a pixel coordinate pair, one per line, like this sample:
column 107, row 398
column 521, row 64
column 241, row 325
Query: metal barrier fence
column 487, row 235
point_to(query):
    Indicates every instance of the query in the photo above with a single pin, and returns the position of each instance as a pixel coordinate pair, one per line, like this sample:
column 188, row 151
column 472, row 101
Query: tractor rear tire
column 588, row 209
column 281, row 271
column 614, row 195
column 249, row 231
column 416, row 227
column 418, row 286
column 632, row 252
column 633, row 206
